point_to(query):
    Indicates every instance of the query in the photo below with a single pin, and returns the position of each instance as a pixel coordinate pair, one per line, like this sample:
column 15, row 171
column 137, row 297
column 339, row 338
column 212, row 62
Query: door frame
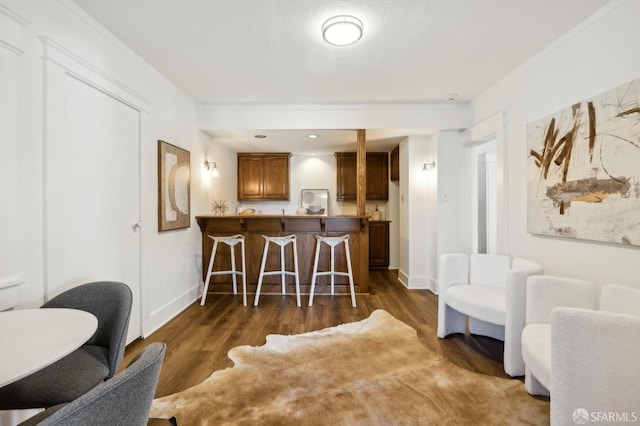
column 484, row 154
column 74, row 66
column 485, row 131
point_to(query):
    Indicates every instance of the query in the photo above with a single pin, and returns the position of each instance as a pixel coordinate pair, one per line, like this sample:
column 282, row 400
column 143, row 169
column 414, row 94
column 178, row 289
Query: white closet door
column 11, row 198
column 92, row 189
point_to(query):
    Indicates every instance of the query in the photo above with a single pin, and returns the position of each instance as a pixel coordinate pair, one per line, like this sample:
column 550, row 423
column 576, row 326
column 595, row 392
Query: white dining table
column 34, row 338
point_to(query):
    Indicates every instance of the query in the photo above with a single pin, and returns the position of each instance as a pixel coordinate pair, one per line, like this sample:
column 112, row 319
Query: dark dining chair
column 97, row 360
column 123, row 400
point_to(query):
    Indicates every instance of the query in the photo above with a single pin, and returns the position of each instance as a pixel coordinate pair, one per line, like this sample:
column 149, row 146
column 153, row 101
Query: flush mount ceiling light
column 312, row 136
column 342, row 30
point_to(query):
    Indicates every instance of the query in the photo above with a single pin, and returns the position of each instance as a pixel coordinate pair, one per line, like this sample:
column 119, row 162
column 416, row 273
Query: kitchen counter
column 306, row 228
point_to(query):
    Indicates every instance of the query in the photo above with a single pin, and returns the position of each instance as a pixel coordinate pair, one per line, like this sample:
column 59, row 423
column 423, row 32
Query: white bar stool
column 231, row 242
column 332, row 242
column 282, row 242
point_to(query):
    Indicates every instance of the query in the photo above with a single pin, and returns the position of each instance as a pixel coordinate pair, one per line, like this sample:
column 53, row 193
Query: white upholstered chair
column 544, row 293
column 589, row 358
column 488, row 291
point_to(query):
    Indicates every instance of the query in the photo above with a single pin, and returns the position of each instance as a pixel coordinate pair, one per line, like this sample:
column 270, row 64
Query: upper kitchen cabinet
column 263, row 176
column 395, row 164
column 377, row 176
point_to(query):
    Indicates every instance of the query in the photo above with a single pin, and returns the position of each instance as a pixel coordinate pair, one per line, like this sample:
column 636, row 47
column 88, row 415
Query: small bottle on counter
column 376, row 214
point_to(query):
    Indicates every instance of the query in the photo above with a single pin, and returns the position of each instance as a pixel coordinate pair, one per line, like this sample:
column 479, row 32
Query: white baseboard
column 163, row 315
column 417, row 283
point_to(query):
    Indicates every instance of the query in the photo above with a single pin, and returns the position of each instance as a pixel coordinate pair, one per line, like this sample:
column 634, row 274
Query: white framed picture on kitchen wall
column 315, row 201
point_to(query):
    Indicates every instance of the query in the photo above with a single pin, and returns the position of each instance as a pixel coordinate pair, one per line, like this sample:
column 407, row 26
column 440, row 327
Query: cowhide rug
column 371, row 372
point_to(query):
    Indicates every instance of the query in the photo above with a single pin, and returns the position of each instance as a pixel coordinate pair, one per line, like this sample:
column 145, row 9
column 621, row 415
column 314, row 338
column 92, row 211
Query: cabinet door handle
column 136, row 226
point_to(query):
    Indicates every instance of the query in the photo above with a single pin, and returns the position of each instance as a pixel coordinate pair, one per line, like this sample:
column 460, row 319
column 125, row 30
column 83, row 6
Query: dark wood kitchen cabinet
column 378, row 244
column 263, row 176
column 377, row 176
column 394, row 164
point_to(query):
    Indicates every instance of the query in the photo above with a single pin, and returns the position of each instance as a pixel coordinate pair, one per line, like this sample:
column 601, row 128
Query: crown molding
column 87, row 72
column 335, row 107
column 11, row 48
column 80, row 13
column 11, row 25
column 4, row 10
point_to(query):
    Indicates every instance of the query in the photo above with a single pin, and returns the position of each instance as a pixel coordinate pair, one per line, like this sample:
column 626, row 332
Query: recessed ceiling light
column 312, row 136
column 342, row 30
column 260, row 136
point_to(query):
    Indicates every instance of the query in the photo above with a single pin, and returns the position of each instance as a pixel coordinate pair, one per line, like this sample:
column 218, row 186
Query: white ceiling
column 272, row 52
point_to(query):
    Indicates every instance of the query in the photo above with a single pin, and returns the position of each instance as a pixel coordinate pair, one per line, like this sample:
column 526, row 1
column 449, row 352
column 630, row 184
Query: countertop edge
column 265, row 216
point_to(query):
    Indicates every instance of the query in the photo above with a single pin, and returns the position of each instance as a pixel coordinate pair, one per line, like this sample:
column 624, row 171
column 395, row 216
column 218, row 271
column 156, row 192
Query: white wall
column 226, row 186
column 453, row 198
column 20, row 224
column 418, row 212
column 598, row 55
column 168, row 266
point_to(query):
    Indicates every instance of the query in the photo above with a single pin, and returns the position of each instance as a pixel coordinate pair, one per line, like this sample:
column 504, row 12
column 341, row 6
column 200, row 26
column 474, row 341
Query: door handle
column 136, row 226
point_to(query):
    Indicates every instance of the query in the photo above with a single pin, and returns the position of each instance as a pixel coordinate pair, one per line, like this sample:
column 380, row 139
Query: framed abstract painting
column 584, row 169
column 174, row 199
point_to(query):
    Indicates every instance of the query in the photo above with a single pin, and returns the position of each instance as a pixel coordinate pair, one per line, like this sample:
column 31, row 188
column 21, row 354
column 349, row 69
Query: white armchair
column 592, row 360
column 544, row 293
column 488, row 291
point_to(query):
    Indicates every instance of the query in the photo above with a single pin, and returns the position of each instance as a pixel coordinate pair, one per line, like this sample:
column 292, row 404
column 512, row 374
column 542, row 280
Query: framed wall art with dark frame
column 174, row 199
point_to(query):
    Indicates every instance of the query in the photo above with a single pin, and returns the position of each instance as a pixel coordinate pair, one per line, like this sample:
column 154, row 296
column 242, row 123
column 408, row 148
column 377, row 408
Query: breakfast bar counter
column 253, row 227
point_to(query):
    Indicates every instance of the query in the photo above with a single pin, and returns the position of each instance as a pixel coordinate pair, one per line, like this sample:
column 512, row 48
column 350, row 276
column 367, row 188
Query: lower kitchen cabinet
column 378, row 244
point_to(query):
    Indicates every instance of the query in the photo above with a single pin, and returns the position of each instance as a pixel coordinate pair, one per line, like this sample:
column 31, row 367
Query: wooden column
column 361, row 167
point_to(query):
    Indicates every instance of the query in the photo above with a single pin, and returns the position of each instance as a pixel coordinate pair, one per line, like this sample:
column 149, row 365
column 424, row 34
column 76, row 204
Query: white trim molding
column 161, row 316
column 333, row 116
column 10, row 293
column 11, row 25
column 13, row 16
column 418, row 283
column 88, row 73
column 72, row 7
column 494, row 128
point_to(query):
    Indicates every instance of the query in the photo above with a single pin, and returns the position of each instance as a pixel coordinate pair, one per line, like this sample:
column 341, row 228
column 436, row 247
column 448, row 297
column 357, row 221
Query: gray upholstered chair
column 97, row 360
column 123, row 400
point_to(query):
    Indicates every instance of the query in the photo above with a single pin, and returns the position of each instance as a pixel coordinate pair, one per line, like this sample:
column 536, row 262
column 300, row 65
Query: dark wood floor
column 199, row 338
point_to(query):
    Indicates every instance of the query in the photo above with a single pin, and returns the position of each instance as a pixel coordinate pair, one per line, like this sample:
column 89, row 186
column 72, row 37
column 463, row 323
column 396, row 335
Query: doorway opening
column 484, row 200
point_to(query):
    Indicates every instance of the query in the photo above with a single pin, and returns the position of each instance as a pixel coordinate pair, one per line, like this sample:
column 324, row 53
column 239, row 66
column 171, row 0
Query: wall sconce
column 213, row 168
column 429, row 166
